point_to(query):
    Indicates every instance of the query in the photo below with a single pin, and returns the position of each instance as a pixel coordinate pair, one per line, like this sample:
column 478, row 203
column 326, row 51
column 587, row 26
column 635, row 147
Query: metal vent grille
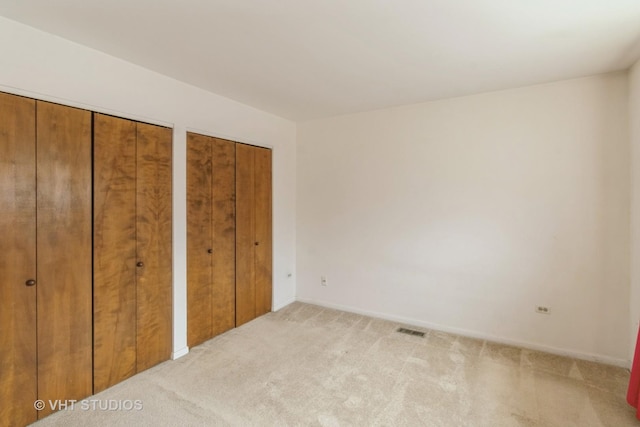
column 410, row 332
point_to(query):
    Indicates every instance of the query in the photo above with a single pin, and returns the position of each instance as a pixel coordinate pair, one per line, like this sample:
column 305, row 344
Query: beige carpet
column 307, row 365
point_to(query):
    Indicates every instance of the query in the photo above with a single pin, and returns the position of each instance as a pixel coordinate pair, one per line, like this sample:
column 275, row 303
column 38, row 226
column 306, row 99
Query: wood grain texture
column 114, row 254
column 263, row 227
column 18, row 369
column 199, row 239
column 224, row 236
column 245, row 235
column 64, row 247
column 154, row 216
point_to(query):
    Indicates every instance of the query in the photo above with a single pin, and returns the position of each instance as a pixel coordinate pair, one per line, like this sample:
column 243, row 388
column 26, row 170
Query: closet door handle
column 210, row 251
column 30, row 282
column 257, row 243
column 140, row 264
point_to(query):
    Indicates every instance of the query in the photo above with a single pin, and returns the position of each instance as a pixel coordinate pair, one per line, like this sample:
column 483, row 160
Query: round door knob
column 140, row 264
column 210, row 251
column 257, row 243
column 30, row 282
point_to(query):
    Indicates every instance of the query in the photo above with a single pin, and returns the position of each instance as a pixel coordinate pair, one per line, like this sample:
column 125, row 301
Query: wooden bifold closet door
column 132, row 248
column 64, row 253
column 229, row 239
column 153, row 245
column 18, row 346
column 253, row 233
column 85, row 253
column 210, row 237
column 45, row 256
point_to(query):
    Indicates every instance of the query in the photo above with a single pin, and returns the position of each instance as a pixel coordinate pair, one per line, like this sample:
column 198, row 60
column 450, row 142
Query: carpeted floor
column 307, row 365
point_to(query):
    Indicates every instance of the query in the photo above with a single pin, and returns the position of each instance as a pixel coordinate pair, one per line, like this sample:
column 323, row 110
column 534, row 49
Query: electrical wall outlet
column 541, row 309
column 323, row 280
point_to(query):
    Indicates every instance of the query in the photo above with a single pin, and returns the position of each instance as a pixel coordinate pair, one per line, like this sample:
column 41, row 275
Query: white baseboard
column 178, row 354
column 283, row 304
column 623, row 363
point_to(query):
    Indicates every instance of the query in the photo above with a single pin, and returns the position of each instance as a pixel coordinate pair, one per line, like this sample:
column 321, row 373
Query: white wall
column 464, row 214
column 40, row 65
column 634, row 126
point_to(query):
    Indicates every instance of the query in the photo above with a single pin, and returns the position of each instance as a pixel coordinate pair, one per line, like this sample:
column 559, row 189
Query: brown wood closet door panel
column 245, row 235
column 199, row 239
column 263, row 224
column 18, row 369
column 154, row 276
column 64, row 247
column 114, row 254
column 224, row 236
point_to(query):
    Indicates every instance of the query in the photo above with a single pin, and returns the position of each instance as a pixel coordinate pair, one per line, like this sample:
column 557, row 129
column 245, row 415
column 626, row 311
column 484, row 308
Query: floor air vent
column 410, row 332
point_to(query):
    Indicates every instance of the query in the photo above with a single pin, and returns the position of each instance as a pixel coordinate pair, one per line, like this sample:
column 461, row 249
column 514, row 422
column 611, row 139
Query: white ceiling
column 304, row 59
